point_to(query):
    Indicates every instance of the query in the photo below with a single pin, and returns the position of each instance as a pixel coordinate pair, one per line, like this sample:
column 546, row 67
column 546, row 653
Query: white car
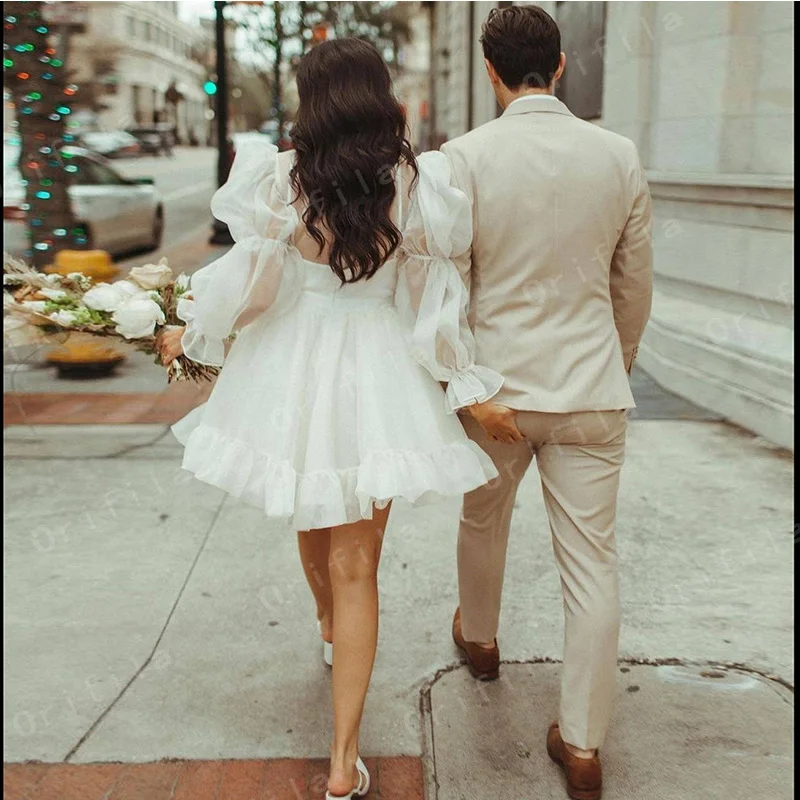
column 119, row 214
column 111, row 144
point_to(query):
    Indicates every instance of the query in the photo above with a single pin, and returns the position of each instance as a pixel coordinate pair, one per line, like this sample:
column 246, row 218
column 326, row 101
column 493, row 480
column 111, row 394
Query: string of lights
column 42, row 96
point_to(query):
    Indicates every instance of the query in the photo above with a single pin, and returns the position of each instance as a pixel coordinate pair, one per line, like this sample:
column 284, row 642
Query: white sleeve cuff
column 475, row 384
column 196, row 346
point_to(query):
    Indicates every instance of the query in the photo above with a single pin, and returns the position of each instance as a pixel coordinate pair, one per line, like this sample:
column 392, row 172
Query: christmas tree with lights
column 36, row 79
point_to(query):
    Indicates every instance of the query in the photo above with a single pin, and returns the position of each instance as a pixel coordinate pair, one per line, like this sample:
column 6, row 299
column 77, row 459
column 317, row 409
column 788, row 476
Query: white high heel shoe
column 327, row 648
column 358, row 791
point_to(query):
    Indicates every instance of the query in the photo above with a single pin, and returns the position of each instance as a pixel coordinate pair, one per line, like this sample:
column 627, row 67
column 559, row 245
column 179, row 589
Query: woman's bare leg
column 315, row 547
column 354, row 557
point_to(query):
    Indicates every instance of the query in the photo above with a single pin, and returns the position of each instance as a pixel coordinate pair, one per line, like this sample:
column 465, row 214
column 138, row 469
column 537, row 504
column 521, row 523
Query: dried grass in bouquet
column 135, row 309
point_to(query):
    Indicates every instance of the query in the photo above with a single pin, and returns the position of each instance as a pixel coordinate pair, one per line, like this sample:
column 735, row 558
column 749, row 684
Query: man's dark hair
column 523, row 44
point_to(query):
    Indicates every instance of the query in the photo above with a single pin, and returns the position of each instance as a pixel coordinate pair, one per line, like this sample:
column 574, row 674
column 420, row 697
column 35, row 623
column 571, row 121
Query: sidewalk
column 160, row 639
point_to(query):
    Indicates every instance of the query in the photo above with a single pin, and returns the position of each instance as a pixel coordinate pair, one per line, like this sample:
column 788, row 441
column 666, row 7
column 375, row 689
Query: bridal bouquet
column 134, row 309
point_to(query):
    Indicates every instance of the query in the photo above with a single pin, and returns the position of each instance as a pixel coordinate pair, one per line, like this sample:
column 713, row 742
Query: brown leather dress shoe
column 484, row 664
column 584, row 775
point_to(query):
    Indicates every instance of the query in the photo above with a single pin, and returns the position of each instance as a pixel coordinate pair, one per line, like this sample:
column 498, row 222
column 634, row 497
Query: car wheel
column 158, row 229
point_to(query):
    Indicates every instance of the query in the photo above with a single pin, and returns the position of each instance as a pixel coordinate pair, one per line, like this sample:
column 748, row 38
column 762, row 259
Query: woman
column 349, row 313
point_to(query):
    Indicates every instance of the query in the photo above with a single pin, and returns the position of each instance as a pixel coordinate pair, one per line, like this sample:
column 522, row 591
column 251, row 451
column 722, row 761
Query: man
column 560, row 277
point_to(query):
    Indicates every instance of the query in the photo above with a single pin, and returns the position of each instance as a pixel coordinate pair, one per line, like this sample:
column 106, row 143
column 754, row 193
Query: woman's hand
column 168, row 343
column 499, row 422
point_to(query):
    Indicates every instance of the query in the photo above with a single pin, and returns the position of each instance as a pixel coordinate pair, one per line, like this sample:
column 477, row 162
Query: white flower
column 127, row 288
column 110, row 296
column 64, row 318
column 8, row 300
column 34, row 305
column 104, row 297
column 137, row 317
column 182, row 281
column 53, row 294
column 52, row 277
column 152, row 276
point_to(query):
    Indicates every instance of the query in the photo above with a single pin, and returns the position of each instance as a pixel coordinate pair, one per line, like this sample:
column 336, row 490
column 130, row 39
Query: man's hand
column 499, row 422
column 168, row 343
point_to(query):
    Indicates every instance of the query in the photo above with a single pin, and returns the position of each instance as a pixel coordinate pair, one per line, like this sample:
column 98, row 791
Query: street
column 186, row 182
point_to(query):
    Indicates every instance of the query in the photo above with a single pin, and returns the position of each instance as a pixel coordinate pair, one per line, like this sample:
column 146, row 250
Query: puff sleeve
column 431, row 297
column 255, row 276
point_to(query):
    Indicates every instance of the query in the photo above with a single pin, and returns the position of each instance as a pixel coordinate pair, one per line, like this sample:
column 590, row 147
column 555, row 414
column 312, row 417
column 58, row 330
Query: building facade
column 148, row 64
column 412, row 81
column 705, row 89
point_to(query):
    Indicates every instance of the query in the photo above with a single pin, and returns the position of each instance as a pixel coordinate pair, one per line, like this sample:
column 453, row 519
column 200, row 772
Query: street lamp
column 219, row 90
column 220, row 233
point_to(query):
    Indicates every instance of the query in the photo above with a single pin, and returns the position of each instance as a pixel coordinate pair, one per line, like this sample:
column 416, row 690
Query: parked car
column 111, row 144
column 154, row 139
column 119, row 214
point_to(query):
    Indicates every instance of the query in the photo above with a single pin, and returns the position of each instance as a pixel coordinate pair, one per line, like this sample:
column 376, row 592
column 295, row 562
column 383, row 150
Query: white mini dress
column 329, row 399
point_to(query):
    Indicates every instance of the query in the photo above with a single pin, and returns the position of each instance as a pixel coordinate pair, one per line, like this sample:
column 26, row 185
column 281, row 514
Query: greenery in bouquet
column 134, row 309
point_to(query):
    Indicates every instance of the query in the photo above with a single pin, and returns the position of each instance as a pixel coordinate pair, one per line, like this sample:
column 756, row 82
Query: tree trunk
column 36, row 78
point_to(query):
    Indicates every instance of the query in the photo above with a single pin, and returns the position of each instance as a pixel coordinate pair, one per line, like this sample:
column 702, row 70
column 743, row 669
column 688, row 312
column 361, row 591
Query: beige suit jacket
column 560, row 271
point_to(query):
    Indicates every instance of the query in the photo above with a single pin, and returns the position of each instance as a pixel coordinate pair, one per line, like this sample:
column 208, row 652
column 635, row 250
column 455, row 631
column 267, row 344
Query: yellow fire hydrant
column 82, row 352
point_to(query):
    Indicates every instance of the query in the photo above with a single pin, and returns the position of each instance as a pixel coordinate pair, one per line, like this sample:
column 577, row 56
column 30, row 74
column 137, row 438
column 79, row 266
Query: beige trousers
column 579, row 456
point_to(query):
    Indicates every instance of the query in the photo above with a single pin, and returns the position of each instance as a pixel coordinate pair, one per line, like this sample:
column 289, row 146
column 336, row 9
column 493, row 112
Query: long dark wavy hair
column 349, row 136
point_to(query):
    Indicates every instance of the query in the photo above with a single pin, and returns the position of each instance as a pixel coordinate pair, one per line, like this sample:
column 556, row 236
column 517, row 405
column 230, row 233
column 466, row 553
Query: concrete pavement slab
column 86, row 441
column 95, row 556
column 679, row 733
column 246, row 674
column 704, row 534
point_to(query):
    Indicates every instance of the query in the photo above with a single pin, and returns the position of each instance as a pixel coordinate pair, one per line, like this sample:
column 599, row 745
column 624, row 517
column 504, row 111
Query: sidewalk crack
column 93, row 727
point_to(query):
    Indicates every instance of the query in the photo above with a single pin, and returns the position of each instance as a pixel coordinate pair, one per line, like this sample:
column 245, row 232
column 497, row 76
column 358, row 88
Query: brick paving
column 103, row 408
column 396, row 778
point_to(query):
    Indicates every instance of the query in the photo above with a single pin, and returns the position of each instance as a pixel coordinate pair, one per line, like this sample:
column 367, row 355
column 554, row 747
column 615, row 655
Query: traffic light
column 210, row 87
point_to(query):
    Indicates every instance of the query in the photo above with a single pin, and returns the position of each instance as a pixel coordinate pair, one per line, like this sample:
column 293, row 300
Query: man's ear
column 562, row 62
column 494, row 78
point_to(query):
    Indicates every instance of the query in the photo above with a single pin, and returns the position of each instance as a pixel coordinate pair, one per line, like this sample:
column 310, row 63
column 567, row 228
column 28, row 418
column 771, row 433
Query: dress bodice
column 320, row 280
